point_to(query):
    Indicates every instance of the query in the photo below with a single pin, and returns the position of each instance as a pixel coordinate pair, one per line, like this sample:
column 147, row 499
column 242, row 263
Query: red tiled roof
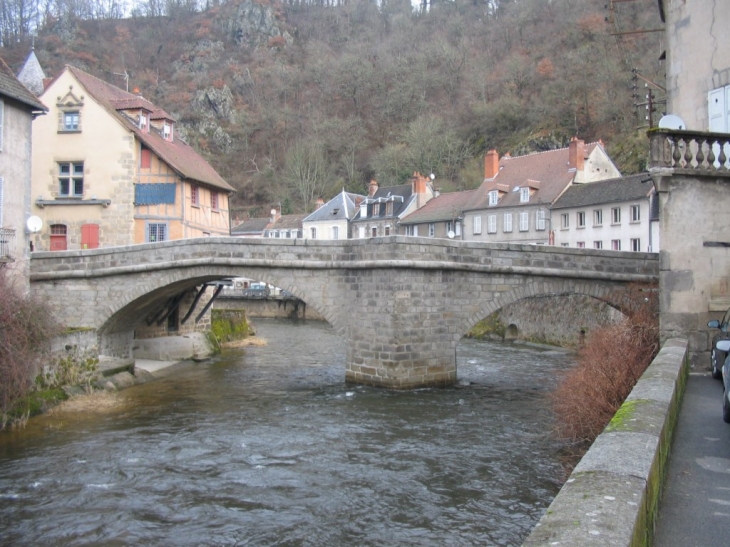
column 549, row 172
column 441, row 208
column 176, row 153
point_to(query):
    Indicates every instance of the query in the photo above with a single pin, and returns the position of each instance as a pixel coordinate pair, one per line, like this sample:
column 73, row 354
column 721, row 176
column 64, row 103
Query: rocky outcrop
column 254, row 24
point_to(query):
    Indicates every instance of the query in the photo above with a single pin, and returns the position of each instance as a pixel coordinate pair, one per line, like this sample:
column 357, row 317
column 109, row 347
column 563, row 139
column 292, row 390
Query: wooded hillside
column 293, row 101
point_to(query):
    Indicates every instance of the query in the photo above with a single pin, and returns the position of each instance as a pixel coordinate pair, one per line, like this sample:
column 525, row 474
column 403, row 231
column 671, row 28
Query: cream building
column 109, row 169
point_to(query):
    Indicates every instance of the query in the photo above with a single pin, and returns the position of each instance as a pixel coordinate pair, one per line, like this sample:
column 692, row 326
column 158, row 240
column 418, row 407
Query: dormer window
column 143, row 122
column 364, row 210
column 389, row 209
column 167, row 131
column 493, row 197
column 376, row 209
column 525, row 194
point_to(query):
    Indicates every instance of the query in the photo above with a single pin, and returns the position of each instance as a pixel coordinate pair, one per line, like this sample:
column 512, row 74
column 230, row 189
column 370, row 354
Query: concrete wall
column 270, row 308
column 612, row 496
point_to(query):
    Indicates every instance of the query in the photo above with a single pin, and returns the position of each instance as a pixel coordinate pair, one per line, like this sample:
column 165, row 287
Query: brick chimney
column 491, row 164
column 419, row 184
column 372, row 188
column 576, row 154
column 319, row 203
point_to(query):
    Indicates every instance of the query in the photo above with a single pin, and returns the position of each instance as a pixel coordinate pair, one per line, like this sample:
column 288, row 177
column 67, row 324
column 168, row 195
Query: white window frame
column 636, row 244
column 525, row 194
column 616, row 244
column 539, row 220
column 376, row 209
column 581, row 219
column 524, row 221
column 635, row 214
column 477, row 224
column 74, row 116
column 718, row 110
column 565, row 221
column 335, row 232
column 364, row 210
column 157, row 225
column 507, row 223
column 457, row 228
column 72, row 179
column 598, row 244
column 492, row 224
column 2, row 123
column 431, row 229
column 313, row 232
column 493, row 197
column 581, row 244
column 597, row 217
column 167, row 131
column 361, row 232
column 616, row 215
column 2, row 186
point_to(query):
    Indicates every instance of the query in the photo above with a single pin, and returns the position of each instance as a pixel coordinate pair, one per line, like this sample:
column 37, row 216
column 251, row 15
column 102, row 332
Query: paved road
column 695, row 507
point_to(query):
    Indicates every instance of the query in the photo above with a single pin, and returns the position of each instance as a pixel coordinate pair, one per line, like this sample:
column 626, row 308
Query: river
column 266, row 446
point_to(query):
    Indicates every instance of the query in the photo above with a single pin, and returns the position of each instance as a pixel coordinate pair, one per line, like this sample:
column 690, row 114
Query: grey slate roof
column 606, row 191
column 340, row 207
column 401, row 197
column 253, row 226
column 11, row 87
column 32, row 75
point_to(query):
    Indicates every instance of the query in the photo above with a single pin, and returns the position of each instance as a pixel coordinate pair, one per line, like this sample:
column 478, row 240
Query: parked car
column 724, row 346
column 717, row 356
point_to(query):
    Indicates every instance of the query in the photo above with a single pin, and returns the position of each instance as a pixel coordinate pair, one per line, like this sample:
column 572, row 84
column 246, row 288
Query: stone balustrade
column 693, row 151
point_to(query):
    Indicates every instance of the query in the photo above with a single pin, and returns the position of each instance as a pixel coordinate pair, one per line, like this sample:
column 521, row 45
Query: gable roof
column 180, row 156
column 341, row 207
column 628, row 188
column 11, row 87
column 549, row 171
column 444, row 207
column 287, row 222
column 252, row 226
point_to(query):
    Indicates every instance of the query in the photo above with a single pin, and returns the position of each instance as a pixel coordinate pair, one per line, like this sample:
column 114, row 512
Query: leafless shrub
column 609, row 365
column 25, row 328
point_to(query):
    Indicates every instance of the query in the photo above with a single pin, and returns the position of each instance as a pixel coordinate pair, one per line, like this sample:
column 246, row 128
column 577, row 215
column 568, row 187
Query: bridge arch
column 401, row 303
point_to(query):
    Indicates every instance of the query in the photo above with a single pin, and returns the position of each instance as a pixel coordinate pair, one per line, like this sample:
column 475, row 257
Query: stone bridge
column 401, row 303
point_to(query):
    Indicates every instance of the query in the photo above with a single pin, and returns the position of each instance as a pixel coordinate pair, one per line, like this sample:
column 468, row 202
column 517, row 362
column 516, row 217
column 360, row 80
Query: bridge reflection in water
column 266, row 446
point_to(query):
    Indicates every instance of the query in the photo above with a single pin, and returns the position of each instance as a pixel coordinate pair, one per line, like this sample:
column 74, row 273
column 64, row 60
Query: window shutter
column 717, row 110
column 90, row 236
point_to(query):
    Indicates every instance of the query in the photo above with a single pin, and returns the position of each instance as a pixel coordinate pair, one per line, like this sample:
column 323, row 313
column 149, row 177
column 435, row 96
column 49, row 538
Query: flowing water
column 267, row 446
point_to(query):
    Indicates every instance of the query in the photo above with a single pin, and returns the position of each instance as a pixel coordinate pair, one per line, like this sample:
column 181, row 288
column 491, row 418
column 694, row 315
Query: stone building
column 110, row 169
column 18, row 108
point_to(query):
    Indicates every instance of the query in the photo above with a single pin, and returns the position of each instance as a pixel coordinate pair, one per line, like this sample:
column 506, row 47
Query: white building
column 331, row 220
column 619, row 214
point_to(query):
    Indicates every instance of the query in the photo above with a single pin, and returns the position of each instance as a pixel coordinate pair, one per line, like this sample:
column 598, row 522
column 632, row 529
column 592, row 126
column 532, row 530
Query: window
column 636, row 245
column 167, row 131
column 539, row 220
column 598, row 217
column 563, row 244
column 524, row 221
column 335, row 232
column 364, row 210
column 431, row 229
column 477, row 225
column 374, row 231
column 2, row 122
column 616, row 215
column 143, row 120
column 376, row 209
column 313, row 233
column 145, row 158
column 565, row 221
column 409, row 230
column 214, row 200
column 449, row 226
column 492, row 224
column 616, row 244
column 71, row 121
column 636, row 213
column 493, row 197
column 718, row 110
column 156, row 231
column 581, row 216
column 387, row 230
column 458, row 228
column 598, row 244
column 524, row 195
column 71, row 179
column 507, row 222
column 581, row 244
column 1, row 202
column 194, row 196
column 389, row 209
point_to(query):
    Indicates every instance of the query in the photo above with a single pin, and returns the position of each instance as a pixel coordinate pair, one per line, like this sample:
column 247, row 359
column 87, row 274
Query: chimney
column 491, row 164
column 418, row 187
column 576, row 154
column 372, row 188
column 320, row 203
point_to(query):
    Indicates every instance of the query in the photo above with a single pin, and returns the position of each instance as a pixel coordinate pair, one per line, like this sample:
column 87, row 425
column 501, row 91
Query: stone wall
column 290, row 308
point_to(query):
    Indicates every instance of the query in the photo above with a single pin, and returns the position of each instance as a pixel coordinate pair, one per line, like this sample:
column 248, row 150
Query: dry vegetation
column 609, row 365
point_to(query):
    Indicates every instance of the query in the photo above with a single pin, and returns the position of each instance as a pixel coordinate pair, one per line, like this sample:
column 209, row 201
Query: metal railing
column 706, row 153
column 7, row 243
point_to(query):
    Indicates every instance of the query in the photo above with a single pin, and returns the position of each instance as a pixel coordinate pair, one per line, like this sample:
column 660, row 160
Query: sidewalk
column 695, row 507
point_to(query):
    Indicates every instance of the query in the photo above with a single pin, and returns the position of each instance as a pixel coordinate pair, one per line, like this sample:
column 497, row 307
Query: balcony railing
column 690, row 151
column 7, row 244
